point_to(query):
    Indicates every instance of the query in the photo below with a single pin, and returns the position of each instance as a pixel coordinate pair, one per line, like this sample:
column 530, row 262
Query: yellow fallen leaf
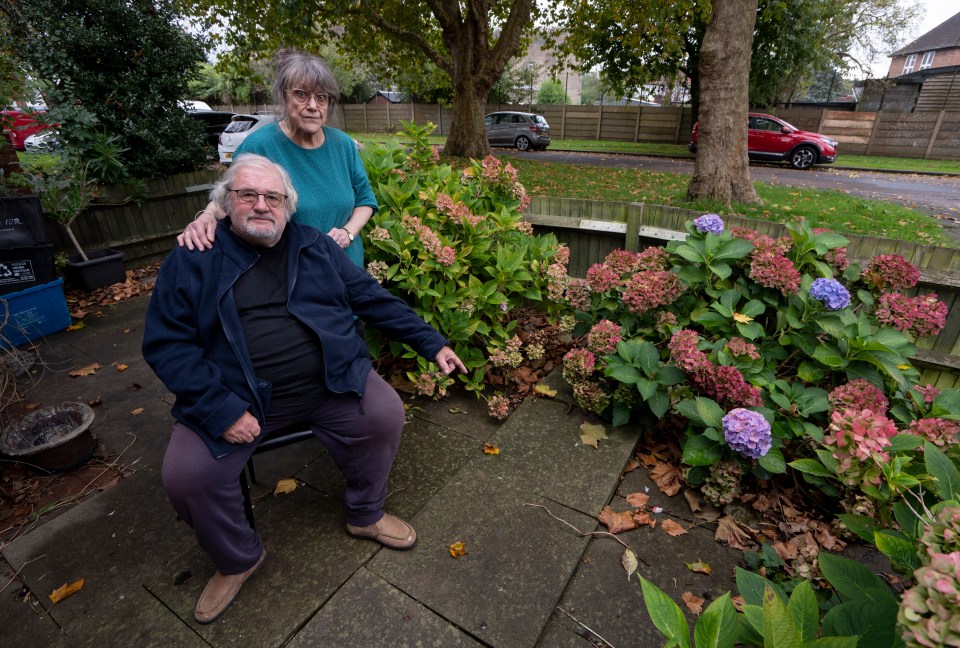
column 743, row 319
column 285, row 486
column 457, row 549
column 629, row 562
column 120, row 366
column 76, row 327
column 457, row 410
column 66, row 590
column 700, row 567
column 673, row 528
column 543, row 390
column 490, row 449
column 86, row 371
column 137, row 411
column 591, row 434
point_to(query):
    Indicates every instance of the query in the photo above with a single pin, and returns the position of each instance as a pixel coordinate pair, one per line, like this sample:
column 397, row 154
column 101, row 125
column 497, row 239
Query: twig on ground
column 17, row 573
column 606, row 534
column 586, row 627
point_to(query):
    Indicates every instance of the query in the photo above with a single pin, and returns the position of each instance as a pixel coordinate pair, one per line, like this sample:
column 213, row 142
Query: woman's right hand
column 200, row 233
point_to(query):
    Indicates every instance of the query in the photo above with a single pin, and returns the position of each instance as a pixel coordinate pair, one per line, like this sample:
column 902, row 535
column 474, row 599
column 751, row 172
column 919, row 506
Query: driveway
column 937, row 196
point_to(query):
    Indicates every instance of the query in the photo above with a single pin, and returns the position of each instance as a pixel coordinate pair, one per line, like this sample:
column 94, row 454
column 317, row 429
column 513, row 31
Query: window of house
column 927, row 60
column 910, row 64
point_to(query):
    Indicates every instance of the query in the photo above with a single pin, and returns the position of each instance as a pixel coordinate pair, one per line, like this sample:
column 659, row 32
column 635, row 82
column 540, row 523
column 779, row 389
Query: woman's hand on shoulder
column 200, row 233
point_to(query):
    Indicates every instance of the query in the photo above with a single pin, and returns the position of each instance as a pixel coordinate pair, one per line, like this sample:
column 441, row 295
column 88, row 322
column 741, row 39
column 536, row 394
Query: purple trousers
column 361, row 436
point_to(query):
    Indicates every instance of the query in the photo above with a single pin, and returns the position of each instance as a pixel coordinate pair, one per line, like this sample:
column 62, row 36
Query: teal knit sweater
column 330, row 180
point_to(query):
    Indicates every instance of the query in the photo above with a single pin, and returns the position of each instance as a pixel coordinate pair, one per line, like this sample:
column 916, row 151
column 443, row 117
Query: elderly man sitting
column 256, row 334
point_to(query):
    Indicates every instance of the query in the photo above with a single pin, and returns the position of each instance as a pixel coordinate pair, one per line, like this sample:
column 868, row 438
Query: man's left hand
column 449, row 361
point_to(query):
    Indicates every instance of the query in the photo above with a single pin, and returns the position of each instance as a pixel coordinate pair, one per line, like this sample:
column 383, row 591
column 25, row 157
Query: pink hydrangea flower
column 653, row 258
column 621, row 261
column 578, row 294
column 740, row 347
column 856, row 436
column 650, row 289
column 920, row 316
column 859, row 394
column 929, row 393
column 498, row 407
column 891, row 272
column 604, row 337
column 777, row 272
column 938, row 431
column 578, row 364
column 603, row 278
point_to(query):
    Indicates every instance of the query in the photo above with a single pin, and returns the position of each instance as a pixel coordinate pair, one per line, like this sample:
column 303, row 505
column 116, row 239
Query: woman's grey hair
column 223, row 197
column 293, row 68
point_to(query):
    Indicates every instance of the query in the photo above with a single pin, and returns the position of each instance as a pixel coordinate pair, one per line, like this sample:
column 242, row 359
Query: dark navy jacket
column 194, row 341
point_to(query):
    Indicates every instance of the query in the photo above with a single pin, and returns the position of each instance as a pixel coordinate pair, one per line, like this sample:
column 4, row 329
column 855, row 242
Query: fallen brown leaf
column 632, row 465
column 591, row 434
column 642, row 518
column 673, row 527
column 692, row 501
column 457, row 549
column 86, row 371
column 96, row 402
column 66, row 590
column 729, row 532
column 457, row 410
column 490, row 449
column 137, row 412
column 666, row 477
column 700, row 567
column 617, row 522
column 629, row 562
column 125, row 329
column 694, row 603
column 285, row 486
column 120, row 366
column 637, row 500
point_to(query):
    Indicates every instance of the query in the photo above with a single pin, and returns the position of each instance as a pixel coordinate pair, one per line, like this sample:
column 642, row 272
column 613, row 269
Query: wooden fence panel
column 946, row 144
column 902, row 134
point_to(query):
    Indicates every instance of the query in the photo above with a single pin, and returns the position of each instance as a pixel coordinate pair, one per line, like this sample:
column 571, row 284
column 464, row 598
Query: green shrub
column 452, row 243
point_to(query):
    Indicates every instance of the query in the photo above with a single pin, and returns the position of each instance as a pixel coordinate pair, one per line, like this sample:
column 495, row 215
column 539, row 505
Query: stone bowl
column 51, row 439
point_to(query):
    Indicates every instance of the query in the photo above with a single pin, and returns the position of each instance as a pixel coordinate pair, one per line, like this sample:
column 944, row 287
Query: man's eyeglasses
column 250, row 197
column 302, row 96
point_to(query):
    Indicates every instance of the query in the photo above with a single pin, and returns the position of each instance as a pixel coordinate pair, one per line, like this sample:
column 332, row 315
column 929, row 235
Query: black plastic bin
column 22, row 223
column 25, row 267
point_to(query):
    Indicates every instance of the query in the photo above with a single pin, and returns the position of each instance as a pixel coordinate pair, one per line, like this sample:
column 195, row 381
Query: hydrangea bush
column 452, row 243
column 775, row 350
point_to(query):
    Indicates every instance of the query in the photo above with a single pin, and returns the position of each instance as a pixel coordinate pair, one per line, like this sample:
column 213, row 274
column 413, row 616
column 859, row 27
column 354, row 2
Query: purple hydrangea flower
column 831, row 292
column 747, row 432
column 709, row 223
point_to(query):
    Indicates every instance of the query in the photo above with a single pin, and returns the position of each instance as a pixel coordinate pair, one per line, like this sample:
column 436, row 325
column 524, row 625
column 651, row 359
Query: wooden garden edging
column 594, row 228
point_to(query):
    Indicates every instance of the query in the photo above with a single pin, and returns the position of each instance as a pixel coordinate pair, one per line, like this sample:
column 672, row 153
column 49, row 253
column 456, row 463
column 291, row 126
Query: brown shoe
column 220, row 592
column 390, row 531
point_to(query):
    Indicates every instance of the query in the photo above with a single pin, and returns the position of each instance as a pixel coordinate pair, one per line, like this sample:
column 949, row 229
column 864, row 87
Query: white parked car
column 43, row 142
column 237, row 130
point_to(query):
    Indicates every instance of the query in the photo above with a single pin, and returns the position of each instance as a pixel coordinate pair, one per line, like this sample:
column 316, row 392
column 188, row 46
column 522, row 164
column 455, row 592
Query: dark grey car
column 520, row 129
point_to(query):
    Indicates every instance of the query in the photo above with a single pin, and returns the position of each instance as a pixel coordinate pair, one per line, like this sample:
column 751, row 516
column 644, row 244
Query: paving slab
column 460, row 410
column 621, row 619
column 429, row 455
column 519, row 557
column 108, row 540
column 367, row 611
column 309, row 556
column 25, row 621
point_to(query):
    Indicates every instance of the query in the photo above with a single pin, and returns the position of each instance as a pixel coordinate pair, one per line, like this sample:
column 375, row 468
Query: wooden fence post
column 636, row 129
column 676, row 132
column 388, row 117
column 440, row 119
column 563, row 121
column 599, row 121
column 366, row 128
column 823, row 118
column 933, row 135
column 874, row 129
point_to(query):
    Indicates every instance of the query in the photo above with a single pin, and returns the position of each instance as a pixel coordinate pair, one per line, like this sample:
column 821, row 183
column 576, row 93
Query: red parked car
column 18, row 125
column 772, row 139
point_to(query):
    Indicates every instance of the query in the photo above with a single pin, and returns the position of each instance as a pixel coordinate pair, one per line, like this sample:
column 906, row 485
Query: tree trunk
column 468, row 135
column 721, row 171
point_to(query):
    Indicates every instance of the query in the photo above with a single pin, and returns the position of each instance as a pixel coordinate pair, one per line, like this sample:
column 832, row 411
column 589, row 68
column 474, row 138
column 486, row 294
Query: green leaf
column 670, row 375
column 687, row 408
column 752, row 585
column 717, row 627
column 773, row 462
column 700, row 451
column 901, row 443
column 804, row 610
column 623, row 373
column 942, row 468
column 690, row 254
column 734, row 248
column 722, row 270
column 779, row 629
column 829, row 355
column 853, row 580
column 659, row 403
column 710, row 413
column 833, row 642
column 901, row 552
column 621, row 413
column 811, row 373
column 753, row 308
column 665, row 614
column 811, row 467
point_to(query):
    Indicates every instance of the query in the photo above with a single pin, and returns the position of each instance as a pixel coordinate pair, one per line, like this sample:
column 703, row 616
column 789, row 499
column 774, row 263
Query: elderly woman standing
column 335, row 194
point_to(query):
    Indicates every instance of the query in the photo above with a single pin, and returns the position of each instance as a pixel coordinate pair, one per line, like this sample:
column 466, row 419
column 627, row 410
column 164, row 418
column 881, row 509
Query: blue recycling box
column 33, row 313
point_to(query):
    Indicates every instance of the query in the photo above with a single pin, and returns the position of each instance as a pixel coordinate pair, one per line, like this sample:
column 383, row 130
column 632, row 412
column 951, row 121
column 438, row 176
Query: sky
column 934, row 12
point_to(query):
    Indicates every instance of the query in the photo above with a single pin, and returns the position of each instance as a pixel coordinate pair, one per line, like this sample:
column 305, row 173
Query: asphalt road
column 937, row 196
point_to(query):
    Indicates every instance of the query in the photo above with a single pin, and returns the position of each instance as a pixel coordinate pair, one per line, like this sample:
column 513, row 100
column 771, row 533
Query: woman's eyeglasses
column 302, row 96
column 250, row 197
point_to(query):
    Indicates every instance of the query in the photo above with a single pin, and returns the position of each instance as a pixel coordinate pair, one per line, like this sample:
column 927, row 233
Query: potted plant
column 66, row 191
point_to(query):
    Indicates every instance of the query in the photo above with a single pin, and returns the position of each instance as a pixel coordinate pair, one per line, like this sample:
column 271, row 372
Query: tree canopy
column 112, row 73
column 470, row 42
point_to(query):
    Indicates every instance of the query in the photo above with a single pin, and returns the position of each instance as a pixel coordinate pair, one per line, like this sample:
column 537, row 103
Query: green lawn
column 821, row 208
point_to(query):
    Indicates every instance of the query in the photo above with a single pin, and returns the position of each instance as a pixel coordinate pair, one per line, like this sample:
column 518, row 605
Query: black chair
column 279, row 439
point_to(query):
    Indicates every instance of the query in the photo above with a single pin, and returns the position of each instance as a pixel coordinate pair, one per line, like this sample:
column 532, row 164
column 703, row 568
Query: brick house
column 924, row 76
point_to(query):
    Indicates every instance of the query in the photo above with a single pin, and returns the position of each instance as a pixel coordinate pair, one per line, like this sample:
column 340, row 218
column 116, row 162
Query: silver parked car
column 237, row 131
column 520, row 129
